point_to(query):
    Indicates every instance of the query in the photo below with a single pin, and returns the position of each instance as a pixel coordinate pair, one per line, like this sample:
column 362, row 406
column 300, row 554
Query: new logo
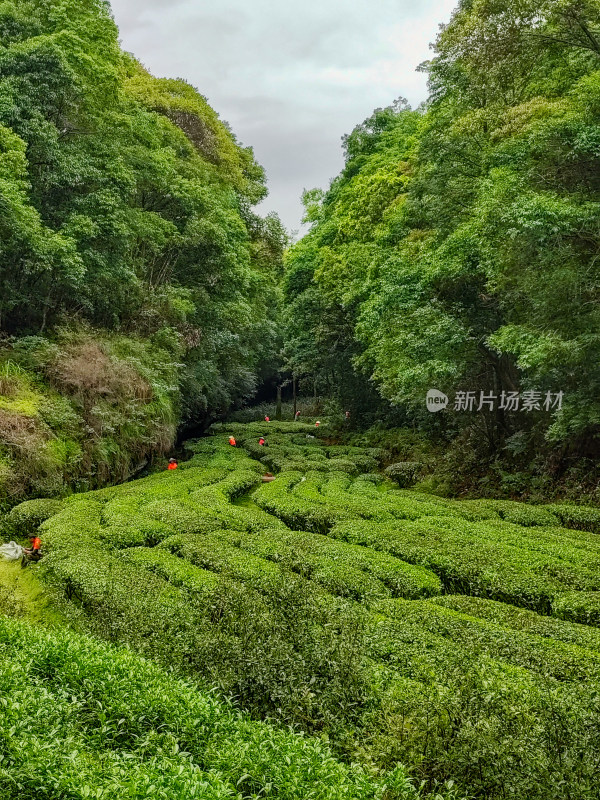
column 436, row 401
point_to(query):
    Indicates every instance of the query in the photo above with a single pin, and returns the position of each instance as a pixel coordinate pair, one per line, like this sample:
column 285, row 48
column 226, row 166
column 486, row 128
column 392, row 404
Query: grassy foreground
column 459, row 638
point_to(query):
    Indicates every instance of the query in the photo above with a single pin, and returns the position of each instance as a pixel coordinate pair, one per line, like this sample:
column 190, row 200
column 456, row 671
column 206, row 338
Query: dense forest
column 458, row 251
column 138, row 287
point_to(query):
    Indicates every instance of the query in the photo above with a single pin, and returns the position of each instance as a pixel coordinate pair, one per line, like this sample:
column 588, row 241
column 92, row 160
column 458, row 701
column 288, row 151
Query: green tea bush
column 339, row 567
column 475, row 510
column 301, row 449
column 297, row 512
column 341, row 576
column 370, row 477
column 578, row 607
column 25, row 519
column 404, row 473
column 583, row 518
column 499, row 730
column 333, row 491
column 175, row 570
column 521, row 619
column 181, row 515
column 403, row 504
column 86, row 720
column 470, row 559
column 539, row 654
column 522, row 513
column 218, row 555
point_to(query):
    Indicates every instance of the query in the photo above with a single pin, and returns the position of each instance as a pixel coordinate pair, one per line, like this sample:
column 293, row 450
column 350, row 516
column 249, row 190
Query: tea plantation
column 460, row 639
column 81, row 719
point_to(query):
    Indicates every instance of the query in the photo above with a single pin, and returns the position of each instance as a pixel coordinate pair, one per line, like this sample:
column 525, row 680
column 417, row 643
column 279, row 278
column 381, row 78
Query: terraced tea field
column 465, row 635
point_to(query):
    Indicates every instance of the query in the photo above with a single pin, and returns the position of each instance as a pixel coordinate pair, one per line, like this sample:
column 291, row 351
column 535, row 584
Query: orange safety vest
column 261, row 440
column 232, row 441
column 172, row 466
column 36, row 545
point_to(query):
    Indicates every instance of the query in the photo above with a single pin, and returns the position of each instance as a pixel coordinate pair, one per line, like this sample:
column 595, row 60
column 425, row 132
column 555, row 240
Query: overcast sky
column 290, row 77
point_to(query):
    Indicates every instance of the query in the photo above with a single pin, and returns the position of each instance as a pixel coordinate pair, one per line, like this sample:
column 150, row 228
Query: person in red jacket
column 172, row 464
column 261, row 441
column 267, row 419
column 232, row 441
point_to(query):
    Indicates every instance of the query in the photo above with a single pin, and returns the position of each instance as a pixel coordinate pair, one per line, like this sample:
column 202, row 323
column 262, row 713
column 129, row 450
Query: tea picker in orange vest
column 36, row 545
column 172, row 464
column 317, row 423
column 32, row 553
column 267, row 419
column 232, row 441
column 261, row 441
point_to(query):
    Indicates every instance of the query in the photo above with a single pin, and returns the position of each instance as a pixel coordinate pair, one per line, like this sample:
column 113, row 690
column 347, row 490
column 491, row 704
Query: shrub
column 296, row 552
column 296, row 512
column 341, row 568
column 176, row 570
column 404, row 473
column 217, row 555
column 578, row 607
column 181, row 515
column 478, row 716
column 370, row 477
column 583, row 518
column 308, row 629
column 522, row 513
column 536, row 653
column 499, row 562
column 520, row 619
column 26, row 518
column 72, row 703
column 85, row 409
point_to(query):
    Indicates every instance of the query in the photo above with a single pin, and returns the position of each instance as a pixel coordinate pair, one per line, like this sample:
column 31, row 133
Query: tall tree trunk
column 294, row 392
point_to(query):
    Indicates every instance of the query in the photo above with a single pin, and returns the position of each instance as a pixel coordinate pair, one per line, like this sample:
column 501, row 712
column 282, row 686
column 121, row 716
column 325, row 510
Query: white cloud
column 290, row 77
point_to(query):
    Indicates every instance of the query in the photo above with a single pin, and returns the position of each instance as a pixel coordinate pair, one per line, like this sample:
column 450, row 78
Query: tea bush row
column 581, row 607
column 278, row 499
column 469, row 561
column 498, row 730
column 175, row 570
column 218, row 555
column 539, row 654
column 339, row 567
column 583, row 518
column 86, row 720
column 25, row 519
column 332, row 492
column 292, row 446
column 521, row 619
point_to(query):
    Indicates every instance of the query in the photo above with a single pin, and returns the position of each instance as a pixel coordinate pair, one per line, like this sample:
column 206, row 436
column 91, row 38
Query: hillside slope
column 457, row 637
